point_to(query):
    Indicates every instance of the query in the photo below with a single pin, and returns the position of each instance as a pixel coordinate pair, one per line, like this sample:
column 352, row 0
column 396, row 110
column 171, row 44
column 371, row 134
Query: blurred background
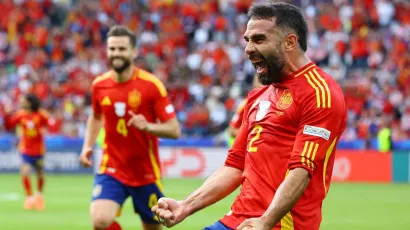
column 55, row 48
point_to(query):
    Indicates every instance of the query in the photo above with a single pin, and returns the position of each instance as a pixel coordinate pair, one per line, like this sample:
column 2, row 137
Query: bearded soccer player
column 32, row 121
column 134, row 109
column 285, row 149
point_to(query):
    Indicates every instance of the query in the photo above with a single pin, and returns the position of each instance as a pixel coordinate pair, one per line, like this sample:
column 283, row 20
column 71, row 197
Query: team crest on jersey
column 285, row 100
column 262, row 110
column 119, row 108
column 134, row 99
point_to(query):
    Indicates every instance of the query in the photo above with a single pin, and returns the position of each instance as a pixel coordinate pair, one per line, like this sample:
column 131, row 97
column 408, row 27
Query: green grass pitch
column 348, row 206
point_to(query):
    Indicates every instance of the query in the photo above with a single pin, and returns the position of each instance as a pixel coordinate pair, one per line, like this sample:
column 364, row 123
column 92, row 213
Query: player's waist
column 133, row 179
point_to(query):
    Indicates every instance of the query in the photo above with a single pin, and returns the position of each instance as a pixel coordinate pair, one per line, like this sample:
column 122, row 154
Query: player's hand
column 254, row 224
column 169, row 212
column 85, row 156
column 138, row 121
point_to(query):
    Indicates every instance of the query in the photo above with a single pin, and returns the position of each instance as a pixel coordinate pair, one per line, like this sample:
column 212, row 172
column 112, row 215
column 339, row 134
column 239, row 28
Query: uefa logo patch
column 316, row 131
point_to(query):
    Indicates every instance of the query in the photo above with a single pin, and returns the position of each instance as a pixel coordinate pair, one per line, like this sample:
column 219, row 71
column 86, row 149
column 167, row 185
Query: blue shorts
column 34, row 161
column 217, row 226
column 143, row 197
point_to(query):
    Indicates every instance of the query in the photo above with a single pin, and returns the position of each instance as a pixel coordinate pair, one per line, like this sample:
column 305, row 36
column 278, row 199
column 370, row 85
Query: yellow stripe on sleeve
column 308, row 154
column 326, row 88
column 303, row 153
column 316, row 89
column 322, row 90
column 314, row 154
column 151, row 78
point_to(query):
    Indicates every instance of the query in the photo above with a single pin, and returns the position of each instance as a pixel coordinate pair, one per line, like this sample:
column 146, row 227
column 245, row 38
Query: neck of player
column 124, row 75
column 294, row 62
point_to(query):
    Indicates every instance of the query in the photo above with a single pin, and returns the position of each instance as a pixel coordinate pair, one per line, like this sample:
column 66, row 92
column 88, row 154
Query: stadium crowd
column 56, row 48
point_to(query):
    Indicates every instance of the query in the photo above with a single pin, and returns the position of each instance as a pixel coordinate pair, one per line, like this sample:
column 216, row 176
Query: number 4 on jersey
column 122, row 127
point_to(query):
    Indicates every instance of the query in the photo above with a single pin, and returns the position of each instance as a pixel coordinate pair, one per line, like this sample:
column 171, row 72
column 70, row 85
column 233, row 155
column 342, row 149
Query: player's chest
column 30, row 122
column 117, row 101
column 274, row 111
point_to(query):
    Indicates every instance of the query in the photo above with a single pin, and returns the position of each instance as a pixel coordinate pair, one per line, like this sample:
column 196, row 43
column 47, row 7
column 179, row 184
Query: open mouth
column 260, row 66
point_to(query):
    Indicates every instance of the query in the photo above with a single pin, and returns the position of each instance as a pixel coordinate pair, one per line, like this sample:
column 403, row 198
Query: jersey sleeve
column 317, row 135
column 96, row 106
column 236, row 155
column 44, row 116
column 11, row 120
column 237, row 118
column 163, row 108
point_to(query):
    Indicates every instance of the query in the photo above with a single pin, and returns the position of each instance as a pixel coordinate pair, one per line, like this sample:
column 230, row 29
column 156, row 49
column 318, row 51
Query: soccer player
column 134, row 109
column 284, row 152
column 32, row 121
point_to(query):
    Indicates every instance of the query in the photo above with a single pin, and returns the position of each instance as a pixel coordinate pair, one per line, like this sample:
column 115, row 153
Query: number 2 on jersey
column 122, row 127
column 257, row 131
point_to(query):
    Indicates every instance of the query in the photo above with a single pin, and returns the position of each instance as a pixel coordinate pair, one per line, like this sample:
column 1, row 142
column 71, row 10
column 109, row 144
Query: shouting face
column 264, row 49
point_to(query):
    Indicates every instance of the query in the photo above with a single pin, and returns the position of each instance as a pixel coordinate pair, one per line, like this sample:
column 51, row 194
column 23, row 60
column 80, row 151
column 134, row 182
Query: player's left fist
column 138, row 121
column 254, row 224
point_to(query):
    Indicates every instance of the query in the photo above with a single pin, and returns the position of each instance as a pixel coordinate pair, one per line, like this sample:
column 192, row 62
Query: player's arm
column 220, row 184
column 94, row 125
column 168, row 127
column 319, row 129
column 11, row 120
column 236, row 120
column 223, row 182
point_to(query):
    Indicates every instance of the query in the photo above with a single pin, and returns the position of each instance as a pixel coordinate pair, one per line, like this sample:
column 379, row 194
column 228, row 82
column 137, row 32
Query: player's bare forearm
column 168, row 129
column 287, row 196
column 94, row 125
column 220, row 184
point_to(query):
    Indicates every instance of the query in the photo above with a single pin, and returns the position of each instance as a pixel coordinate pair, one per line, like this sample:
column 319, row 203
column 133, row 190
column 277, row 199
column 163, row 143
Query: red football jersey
column 292, row 124
column 32, row 124
column 130, row 155
column 237, row 118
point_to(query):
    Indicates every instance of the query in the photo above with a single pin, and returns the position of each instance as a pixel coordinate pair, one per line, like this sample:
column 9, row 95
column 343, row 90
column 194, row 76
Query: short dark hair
column 34, row 101
column 287, row 16
column 120, row 30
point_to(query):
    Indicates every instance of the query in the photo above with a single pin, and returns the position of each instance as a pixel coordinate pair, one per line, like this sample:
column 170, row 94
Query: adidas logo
column 106, row 101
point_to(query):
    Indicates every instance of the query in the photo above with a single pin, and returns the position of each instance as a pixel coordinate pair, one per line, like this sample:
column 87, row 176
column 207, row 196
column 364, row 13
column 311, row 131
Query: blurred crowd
column 56, row 48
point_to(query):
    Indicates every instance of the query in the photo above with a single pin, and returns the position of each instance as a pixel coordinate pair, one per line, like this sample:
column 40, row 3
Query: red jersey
column 32, row 124
column 130, row 155
column 293, row 124
column 236, row 120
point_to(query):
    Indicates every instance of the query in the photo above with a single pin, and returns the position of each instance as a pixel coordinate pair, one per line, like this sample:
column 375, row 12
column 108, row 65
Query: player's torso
column 31, row 133
column 272, row 126
column 127, row 152
column 116, row 100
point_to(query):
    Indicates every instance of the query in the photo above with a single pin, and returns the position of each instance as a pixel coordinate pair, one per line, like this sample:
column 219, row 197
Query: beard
column 274, row 65
column 120, row 68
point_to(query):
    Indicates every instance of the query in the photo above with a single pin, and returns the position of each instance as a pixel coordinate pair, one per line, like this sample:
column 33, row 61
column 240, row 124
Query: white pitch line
column 6, row 197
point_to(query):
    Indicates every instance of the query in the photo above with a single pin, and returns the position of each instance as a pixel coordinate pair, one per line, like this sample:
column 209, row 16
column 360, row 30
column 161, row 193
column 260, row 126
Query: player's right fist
column 85, row 156
column 169, row 212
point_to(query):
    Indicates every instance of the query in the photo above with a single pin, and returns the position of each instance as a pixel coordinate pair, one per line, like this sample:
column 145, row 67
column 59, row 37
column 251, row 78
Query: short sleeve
column 236, row 155
column 164, row 110
column 317, row 136
column 95, row 104
column 237, row 118
column 44, row 116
